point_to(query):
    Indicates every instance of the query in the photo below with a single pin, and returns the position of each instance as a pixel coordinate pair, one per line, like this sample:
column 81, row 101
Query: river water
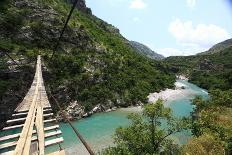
column 99, row 128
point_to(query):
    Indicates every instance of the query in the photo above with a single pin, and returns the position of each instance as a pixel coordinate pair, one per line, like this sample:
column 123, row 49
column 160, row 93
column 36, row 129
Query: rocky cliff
column 81, row 5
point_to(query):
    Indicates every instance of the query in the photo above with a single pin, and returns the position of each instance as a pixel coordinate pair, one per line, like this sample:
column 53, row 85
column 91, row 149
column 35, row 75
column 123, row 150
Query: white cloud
column 201, row 36
column 170, row 52
column 165, row 51
column 183, row 51
column 138, row 4
column 191, row 3
column 192, row 39
column 136, row 19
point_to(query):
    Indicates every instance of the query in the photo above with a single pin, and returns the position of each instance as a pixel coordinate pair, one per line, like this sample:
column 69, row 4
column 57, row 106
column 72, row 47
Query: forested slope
column 93, row 64
column 209, row 71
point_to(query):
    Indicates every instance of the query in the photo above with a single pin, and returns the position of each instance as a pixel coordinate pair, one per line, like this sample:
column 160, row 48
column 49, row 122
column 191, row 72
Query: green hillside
column 94, row 64
column 208, row 71
column 218, row 47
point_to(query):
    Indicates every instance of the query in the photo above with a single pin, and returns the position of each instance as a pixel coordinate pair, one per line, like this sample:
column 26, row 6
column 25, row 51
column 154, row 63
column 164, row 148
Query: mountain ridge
column 209, row 70
column 146, row 51
column 218, row 47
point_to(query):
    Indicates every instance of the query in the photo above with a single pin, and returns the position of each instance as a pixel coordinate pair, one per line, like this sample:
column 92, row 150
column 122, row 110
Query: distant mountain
column 218, row 47
column 146, row 51
column 211, row 70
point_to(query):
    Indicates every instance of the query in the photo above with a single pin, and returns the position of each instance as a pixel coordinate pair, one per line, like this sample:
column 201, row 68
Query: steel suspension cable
column 74, row 129
column 65, row 26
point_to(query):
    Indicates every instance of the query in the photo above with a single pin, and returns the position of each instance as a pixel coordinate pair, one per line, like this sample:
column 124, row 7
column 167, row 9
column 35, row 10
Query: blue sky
column 169, row 27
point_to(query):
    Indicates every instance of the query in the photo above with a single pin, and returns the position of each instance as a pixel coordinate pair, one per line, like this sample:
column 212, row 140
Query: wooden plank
column 40, row 127
column 51, row 127
column 26, row 111
column 54, row 141
column 13, row 127
column 36, row 98
column 27, row 140
column 12, row 136
column 62, row 152
column 7, row 145
column 34, row 131
column 48, row 115
column 21, row 125
column 34, row 138
column 9, row 137
column 19, row 114
column 16, row 120
column 54, row 133
column 50, row 120
column 23, row 119
column 23, row 145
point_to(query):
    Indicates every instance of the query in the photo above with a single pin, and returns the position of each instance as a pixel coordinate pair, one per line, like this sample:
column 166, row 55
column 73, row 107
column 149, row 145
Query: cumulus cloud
column 183, row 51
column 170, row 52
column 201, row 36
column 191, row 3
column 192, row 39
column 138, row 4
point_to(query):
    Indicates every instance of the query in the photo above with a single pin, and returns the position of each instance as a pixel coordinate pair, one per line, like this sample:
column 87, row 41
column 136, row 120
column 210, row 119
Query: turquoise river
column 99, row 128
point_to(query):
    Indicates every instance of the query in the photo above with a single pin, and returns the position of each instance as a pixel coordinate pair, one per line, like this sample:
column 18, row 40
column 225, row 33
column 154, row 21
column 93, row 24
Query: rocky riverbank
column 75, row 111
column 182, row 77
column 170, row 94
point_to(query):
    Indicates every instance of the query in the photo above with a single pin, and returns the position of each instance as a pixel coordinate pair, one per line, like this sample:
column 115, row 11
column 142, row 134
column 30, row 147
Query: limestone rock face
column 81, row 5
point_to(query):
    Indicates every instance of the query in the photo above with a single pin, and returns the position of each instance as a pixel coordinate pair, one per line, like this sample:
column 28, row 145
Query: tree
column 148, row 134
column 212, row 119
column 204, row 145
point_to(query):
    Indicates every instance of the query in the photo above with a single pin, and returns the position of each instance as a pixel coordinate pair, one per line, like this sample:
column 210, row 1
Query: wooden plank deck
column 34, row 131
column 26, row 112
column 23, row 119
column 21, row 125
column 34, row 138
column 40, row 126
column 34, row 111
